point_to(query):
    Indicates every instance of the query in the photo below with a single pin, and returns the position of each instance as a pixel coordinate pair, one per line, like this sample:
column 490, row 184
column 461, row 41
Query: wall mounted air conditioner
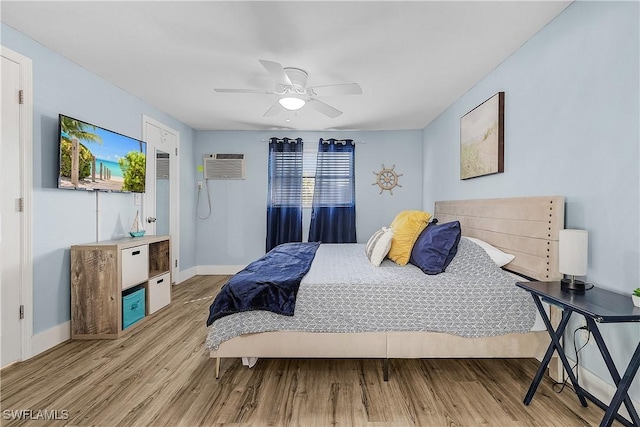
column 224, row 166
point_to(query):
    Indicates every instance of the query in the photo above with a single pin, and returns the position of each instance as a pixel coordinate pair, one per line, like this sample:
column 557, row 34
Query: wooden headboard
column 526, row 227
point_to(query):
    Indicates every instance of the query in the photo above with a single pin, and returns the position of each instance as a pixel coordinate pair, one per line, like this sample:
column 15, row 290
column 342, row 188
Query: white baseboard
column 600, row 388
column 50, row 338
column 219, row 269
column 186, row 274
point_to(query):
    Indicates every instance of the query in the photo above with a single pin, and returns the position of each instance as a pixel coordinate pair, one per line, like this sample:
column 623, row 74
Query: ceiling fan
column 291, row 87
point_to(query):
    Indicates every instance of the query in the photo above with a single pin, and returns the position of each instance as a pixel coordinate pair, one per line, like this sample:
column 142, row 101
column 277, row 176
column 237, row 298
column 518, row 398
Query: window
column 284, row 174
column 309, row 161
column 333, row 215
column 336, row 176
column 338, row 171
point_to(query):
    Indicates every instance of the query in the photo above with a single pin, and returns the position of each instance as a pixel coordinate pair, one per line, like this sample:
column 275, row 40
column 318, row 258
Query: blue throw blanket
column 270, row 283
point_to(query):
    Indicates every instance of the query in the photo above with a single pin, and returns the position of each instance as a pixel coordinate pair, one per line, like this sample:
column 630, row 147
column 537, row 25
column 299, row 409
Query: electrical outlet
column 199, row 185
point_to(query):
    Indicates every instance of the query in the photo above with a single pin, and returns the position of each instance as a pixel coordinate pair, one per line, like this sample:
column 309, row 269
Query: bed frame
column 526, row 227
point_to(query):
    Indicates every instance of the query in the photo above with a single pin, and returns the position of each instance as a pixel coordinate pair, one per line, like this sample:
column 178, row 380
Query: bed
column 525, row 227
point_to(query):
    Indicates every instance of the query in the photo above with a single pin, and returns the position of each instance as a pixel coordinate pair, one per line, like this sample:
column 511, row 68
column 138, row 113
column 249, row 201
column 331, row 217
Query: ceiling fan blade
column 340, row 89
column 325, row 109
column 243, row 91
column 277, row 72
column 274, row 110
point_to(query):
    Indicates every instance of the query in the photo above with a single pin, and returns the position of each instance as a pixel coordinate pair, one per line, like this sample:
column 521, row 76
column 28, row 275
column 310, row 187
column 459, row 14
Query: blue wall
column 62, row 218
column 236, row 231
column 571, row 129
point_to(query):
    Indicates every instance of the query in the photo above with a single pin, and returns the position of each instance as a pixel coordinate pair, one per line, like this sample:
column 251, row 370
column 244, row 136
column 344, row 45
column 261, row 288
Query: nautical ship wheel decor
column 387, row 179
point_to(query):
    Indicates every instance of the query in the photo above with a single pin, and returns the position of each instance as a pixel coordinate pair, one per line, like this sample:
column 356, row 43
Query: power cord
column 565, row 380
column 206, row 185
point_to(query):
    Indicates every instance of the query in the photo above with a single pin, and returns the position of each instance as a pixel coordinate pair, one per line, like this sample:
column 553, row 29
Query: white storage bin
column 159, row 292
column 135, row 266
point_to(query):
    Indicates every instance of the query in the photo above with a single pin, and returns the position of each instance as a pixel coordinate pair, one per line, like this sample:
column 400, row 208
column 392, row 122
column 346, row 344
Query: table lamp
column 572, row 257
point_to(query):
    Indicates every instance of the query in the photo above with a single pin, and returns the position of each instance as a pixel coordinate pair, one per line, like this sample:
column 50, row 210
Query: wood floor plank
column 160, row 374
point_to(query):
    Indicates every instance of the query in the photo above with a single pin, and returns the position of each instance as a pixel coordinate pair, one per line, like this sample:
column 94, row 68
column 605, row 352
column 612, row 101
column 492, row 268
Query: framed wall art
column 482, row 139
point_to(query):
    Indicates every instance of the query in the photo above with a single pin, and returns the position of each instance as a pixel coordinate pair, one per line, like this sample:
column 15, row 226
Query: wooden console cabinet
column 103, row 272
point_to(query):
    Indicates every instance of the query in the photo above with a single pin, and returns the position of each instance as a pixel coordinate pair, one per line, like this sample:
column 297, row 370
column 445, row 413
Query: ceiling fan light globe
column 291, row 103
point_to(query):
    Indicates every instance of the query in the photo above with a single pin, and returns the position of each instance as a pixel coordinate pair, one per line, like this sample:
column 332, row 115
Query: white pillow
column 378, row 246
column 499, row 257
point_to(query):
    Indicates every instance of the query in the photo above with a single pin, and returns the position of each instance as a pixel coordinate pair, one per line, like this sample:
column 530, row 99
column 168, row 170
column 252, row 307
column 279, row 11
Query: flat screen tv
column 94, row 158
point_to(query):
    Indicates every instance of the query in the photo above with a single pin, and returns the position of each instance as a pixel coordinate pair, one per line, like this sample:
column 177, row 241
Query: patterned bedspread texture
column 343, row 292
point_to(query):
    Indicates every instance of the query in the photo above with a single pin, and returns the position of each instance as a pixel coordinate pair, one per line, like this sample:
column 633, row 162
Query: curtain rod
column 337, row 140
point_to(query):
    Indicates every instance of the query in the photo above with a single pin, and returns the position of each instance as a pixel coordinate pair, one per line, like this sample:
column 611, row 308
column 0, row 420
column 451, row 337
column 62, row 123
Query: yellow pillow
column 406, row 226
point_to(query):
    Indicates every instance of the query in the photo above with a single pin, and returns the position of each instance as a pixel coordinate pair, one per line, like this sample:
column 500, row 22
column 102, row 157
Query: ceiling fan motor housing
column 298, row 78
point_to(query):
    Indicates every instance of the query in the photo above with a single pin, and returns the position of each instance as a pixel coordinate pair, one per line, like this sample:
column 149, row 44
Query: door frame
column 26, row 168
column 174, row 194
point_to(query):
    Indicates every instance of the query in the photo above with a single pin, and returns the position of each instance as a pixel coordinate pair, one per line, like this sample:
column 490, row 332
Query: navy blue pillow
column 436, row 246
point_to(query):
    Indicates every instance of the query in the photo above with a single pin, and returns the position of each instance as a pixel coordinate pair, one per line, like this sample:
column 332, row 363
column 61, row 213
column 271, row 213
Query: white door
column 161, row 193
column 15, row 261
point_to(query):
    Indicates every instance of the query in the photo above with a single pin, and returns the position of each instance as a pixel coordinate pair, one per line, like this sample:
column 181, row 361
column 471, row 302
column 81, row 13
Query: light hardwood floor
column 160, row 374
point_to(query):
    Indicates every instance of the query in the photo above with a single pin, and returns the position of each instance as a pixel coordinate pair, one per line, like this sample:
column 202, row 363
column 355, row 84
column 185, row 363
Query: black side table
column 597, row 306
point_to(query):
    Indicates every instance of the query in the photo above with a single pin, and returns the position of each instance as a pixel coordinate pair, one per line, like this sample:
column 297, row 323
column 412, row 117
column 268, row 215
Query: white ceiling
column 412, row 58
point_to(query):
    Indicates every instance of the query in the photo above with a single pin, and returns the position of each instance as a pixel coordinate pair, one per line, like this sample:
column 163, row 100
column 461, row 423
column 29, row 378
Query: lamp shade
column 573, row 252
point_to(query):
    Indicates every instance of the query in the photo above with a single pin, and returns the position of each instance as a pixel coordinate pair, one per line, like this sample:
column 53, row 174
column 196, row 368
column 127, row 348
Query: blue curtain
column 284, row 205
column 333, row 215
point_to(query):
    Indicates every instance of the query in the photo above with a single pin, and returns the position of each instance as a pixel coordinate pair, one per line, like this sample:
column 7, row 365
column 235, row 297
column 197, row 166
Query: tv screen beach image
column 93, row 158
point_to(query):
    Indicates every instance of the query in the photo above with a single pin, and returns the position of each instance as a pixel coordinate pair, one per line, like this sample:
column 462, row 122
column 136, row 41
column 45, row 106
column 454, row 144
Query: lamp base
column 572, row 285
